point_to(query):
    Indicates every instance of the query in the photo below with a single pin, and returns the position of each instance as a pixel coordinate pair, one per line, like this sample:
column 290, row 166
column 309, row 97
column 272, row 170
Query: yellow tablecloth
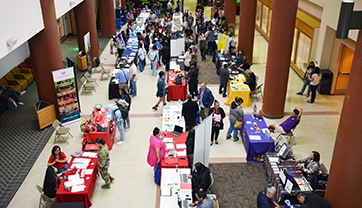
column 237, row 88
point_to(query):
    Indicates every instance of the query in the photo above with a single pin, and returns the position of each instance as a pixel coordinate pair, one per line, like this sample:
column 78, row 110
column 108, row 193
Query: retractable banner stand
column 202, row 141
column 87, row 47
column 67, row 94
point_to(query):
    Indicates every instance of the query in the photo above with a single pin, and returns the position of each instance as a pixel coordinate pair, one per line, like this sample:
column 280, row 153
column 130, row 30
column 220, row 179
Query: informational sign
column 222, row 42
column 87, row 48
column 207, row 13
column 67, row 94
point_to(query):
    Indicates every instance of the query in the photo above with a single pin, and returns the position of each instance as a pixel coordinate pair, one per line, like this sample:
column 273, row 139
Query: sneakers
column 126, row 129
column 228, row 137
column 20, row 103
column 112, row 178
column 211, row 143
column 236, row 140
column 106, row 186
column 309, row 101
column 120, row 142
column 307, row 95
column 22, row 93
column 299, row 93
column 216, row 142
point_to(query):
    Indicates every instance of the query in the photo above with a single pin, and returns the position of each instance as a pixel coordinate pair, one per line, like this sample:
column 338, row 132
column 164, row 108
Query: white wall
column 63, row 6
column 14, row 58
column 19, row 19
column 311, row 8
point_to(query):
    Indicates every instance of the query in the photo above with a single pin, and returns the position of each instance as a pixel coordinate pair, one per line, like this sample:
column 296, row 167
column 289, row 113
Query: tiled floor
column 134, row 186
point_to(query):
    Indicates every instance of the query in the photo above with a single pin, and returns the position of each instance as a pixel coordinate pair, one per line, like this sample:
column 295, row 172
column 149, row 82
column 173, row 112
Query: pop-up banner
column 67, row 94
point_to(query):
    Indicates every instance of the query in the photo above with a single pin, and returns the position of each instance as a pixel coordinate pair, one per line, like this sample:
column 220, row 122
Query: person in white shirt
column 133, row 75
column 314, row 78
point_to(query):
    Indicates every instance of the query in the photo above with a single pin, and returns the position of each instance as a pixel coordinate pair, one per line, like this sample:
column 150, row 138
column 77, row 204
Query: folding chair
column 290, row 136
column 89, row 78
column 44, row 201
column 208, row 191
column 83, row 89
column 86, row 85
column 214, row 198
column 257, row 92
column 60, row 130
column 100, row 66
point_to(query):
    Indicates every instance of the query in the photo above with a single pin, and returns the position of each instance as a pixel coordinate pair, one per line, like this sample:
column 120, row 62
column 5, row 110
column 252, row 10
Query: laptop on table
column 177, row 131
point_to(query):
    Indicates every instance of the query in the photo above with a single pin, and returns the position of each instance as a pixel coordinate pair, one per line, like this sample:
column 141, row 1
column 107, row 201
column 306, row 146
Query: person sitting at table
column 239, row 57
column 189, row 112
column 236, row 113
column 58, row 159
column 52, row 181
column 200, row 177
column 251, row 81
column 311, row 165
column 244, row 65
column 122, row 76
column 103, row 162
column 203, row 201
column 288, row 124
column 190, row 143
column 313, row 200
column 156, row 150
column 218, row 114
column 266, row 198
column 224, row 75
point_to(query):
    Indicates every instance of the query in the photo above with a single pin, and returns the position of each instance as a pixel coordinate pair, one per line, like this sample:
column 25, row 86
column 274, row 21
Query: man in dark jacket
column 200, row 178
column 313, row 200
column 206, row 99
column 189, row 112
column 166, row 54
column 223, row 73
column 193, row 79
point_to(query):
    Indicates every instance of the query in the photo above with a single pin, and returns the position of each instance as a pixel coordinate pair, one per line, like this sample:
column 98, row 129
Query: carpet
column 237, row 185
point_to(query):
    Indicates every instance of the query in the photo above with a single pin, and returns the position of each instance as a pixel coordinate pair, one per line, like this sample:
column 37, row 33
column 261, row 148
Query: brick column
column 108, row 18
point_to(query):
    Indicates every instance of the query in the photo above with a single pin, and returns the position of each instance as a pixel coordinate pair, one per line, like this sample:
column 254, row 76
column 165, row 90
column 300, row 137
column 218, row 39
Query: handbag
column 238, row 124
column 158, row 173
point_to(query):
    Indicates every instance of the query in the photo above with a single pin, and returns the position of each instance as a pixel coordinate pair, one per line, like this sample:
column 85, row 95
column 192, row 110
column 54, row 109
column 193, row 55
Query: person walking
column 218, row 114
column 160, row 89
column 103, row 163
column 236, row 113
column 314, row 78
column 206, row 99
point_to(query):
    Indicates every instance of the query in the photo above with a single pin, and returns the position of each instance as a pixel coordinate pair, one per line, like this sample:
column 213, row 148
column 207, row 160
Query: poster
column 222, row 42
column 67, row 94
column 87, row 48
column 207, row 13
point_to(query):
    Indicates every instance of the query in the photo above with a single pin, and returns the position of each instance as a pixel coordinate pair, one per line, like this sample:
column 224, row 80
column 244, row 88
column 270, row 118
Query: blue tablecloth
column 255, row 149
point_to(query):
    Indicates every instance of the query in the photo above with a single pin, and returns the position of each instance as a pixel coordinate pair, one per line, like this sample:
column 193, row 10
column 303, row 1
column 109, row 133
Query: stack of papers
column 78, row 188
column 87, row 171
column 254, row 137
column 89, row 154
column 180, row 146
column 170, row 146
column 81, row 163
column 167, row 139
column 181, row 153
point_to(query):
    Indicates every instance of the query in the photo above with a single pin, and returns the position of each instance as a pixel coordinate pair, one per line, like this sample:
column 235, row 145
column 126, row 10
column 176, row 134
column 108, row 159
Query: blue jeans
column 142, row 64
column 133, row 87
column 209, row 47
column 63, row 169
column 154, row 67
column 127, row 122
column 231, row 129
column 121, row 129
column 305, row 83
column 158, row 12
column 13, row 94
column 223, row 84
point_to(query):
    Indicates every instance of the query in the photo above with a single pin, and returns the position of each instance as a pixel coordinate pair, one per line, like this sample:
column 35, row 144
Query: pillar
column 108, row 18
column 46, row 54
column 123, row 3
column 85, row 20
column 247, row 27
column 278, row 60
column 346, row 167
column 230, row 11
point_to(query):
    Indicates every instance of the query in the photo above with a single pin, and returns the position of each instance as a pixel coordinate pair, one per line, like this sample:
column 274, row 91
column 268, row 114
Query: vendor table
column 237, row 88
column 81, row 196
column 255, row 142
column 273, row 177
column 102, row 118
column 172, row 189
column 220, row 59
column 172, row 116
column 179, row 161
column 176, row 92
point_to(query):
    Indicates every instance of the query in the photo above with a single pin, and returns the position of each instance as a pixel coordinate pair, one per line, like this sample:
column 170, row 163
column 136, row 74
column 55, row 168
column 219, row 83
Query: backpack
column 124, row 112
column 194, row 48
column 11, row 104
column 178, row 81
column 152, row 55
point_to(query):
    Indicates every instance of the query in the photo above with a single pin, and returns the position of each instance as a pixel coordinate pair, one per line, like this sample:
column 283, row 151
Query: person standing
column 103, row 163
column 236, row 114
column 121, row 45
column 118, row 120
column 166, row 53
column 156, row 151
column 206, row 99
column 193, row 80
column 218, row 114
column 189, row 112
column 266, row 198
column 210, row 40
column 190, row 21
column 306, row 81
column 203, row 45
column 142, row 57
column 158, row 9
column 160, row 89
column 223, row 73
column 133, row 74
column 122, row 77
column 127, row 107
column 153, row 56
column 314, row 79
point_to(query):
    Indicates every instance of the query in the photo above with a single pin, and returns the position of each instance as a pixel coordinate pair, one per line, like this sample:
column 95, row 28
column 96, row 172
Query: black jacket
column 252, row 83
column 189, row 110
column 201, row 180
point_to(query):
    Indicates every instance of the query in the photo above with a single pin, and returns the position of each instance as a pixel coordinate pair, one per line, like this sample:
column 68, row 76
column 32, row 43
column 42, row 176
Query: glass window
column 304, row 46
column 294, row 45
column 269, row 20
column 264, row 23
column 258, row 13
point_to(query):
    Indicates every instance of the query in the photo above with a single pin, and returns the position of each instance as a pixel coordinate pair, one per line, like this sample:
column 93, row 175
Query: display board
column 177, row 46
column 222, row 42
column 202, row 141
column 207, row 13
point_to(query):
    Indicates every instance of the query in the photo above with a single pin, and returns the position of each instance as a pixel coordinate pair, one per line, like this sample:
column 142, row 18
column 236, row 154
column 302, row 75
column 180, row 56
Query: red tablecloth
column 82, row 196
column 182, row 163
column 176, row 92
column 108, row 136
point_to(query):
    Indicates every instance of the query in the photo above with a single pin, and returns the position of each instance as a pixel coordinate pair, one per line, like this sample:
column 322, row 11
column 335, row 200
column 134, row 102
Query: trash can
column 325, row 83
column 45, row 113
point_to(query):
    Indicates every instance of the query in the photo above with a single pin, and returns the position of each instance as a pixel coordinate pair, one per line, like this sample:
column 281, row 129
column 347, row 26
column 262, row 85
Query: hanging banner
column 67, row 94
column 87, row 48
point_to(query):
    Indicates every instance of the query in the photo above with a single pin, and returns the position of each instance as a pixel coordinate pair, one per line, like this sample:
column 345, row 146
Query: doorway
column 344, row 69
